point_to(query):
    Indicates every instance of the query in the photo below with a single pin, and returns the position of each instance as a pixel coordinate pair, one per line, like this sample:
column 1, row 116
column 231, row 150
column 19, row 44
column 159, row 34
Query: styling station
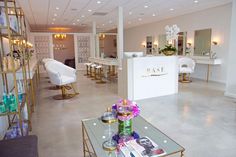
column 147, row 77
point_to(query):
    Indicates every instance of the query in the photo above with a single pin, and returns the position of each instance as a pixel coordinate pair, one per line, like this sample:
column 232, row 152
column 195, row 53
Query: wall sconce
column 214, row 42
column 155, row 44
column 143, row 44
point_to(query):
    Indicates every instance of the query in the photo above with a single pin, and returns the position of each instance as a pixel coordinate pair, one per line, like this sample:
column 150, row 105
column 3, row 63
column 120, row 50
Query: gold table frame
column 88, row 148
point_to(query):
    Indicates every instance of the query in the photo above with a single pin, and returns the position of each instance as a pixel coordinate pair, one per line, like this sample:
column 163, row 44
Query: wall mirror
column 181, row 43
column 149, row 45
column 202, row 42
column 106, row 45
column 161, row 41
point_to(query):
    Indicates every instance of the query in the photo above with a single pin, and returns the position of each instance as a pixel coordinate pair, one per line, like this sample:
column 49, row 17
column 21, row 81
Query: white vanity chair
column 186, row 67
column 62, row 75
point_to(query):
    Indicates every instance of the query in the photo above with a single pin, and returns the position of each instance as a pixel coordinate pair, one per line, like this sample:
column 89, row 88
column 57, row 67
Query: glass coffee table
column 94, row 135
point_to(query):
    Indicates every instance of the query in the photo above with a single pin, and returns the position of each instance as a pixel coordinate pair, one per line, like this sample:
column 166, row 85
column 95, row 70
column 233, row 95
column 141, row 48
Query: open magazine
column 142, row 147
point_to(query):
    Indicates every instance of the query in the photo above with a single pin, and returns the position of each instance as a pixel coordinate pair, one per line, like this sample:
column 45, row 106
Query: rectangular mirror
column 181, row 43
column 202, row 42
column 149, row 45
column 161, row 41
column 106, row 45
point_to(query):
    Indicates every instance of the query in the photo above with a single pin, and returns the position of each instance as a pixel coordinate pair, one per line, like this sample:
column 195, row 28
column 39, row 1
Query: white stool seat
column 88, row 64
column 93, row 65
column 98, row 67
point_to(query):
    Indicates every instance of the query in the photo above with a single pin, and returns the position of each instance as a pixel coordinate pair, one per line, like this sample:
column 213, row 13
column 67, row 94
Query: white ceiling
column 41, row 13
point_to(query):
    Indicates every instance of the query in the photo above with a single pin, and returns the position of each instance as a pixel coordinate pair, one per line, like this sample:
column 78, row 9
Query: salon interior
column 117, row 78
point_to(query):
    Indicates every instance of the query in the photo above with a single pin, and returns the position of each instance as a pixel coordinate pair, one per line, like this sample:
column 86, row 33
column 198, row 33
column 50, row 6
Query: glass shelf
column 95, row 130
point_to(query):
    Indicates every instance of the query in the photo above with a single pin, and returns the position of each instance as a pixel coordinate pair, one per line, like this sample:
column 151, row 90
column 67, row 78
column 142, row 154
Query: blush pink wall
column 68, row 52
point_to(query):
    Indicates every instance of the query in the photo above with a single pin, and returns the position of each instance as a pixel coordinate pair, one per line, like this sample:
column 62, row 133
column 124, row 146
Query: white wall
column 231, row 75
column 218, row 19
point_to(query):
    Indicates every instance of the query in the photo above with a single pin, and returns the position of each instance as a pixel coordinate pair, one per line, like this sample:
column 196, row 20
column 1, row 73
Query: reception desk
column 148, row 77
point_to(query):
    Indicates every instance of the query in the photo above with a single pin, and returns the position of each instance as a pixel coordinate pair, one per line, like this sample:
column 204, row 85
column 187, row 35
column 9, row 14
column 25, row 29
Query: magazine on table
column 142, row 147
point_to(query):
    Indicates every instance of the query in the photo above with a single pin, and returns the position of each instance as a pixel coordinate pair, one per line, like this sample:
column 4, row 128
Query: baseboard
column 211, row 80
column 232, row 95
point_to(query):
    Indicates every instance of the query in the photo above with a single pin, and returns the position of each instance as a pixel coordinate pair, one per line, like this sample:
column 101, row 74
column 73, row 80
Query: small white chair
column 61, row 75
column 186, row 67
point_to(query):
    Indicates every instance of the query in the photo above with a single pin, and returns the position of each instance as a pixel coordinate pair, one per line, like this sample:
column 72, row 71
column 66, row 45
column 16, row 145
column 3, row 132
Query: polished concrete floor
column 199, row 118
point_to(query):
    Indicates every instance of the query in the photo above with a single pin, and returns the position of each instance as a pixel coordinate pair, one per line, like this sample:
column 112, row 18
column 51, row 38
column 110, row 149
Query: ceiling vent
column 99, row 13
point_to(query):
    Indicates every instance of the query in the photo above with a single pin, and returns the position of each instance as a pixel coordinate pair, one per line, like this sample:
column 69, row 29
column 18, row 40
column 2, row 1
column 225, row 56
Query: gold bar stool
column 87, row 69
column 100, row 74
column 97, row 73
column 93, row 71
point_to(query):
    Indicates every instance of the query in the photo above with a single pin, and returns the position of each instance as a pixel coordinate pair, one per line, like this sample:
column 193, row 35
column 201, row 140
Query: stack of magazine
column 142, row 147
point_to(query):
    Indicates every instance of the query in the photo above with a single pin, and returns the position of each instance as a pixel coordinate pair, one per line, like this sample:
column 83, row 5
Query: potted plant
column 169, row 50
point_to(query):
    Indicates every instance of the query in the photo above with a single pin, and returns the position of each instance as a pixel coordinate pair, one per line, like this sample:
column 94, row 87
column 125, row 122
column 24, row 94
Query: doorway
column 63, row 49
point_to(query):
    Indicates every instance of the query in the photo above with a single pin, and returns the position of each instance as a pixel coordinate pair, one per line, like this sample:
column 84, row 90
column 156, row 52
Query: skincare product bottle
column 2, row 108
column 20, row 90
column 5, row 100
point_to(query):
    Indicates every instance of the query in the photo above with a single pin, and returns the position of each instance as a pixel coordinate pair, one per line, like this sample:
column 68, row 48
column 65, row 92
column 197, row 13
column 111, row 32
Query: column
column 120, row 50
column 231, row 72
column 93, row 40
column 120, row 36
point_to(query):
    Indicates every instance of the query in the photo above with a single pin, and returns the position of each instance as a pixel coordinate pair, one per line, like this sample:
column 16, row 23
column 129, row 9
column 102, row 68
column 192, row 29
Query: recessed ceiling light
column 145, row 6
column 98, row 2
column 89, row 10
column 73, row 23
column 55, row 14
column 196, row 1
column 171, row 9
column 130, row 13
column 53, row 19
column 153, row 14
column 57, row 8
column 82, row 16
column 77, row 20
column 140, row 19
column 103, row 24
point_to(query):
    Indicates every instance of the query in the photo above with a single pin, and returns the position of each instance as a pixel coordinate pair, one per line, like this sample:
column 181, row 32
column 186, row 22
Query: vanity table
column 207, row 61
column 104, row 61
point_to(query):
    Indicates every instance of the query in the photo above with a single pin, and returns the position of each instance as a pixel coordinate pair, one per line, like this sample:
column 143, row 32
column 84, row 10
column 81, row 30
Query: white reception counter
column 147, row 77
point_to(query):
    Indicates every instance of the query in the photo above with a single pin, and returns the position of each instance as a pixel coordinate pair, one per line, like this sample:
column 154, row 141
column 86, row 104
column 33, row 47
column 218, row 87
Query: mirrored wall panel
column 181, row 43
column 202, row 42
column 106, row 45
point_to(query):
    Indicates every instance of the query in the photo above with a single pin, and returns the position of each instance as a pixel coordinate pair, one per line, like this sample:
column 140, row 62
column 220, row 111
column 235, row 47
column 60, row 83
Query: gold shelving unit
column 17, row 39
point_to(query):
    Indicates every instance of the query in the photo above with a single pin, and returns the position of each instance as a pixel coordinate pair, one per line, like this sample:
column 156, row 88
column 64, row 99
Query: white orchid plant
column 172, row 32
